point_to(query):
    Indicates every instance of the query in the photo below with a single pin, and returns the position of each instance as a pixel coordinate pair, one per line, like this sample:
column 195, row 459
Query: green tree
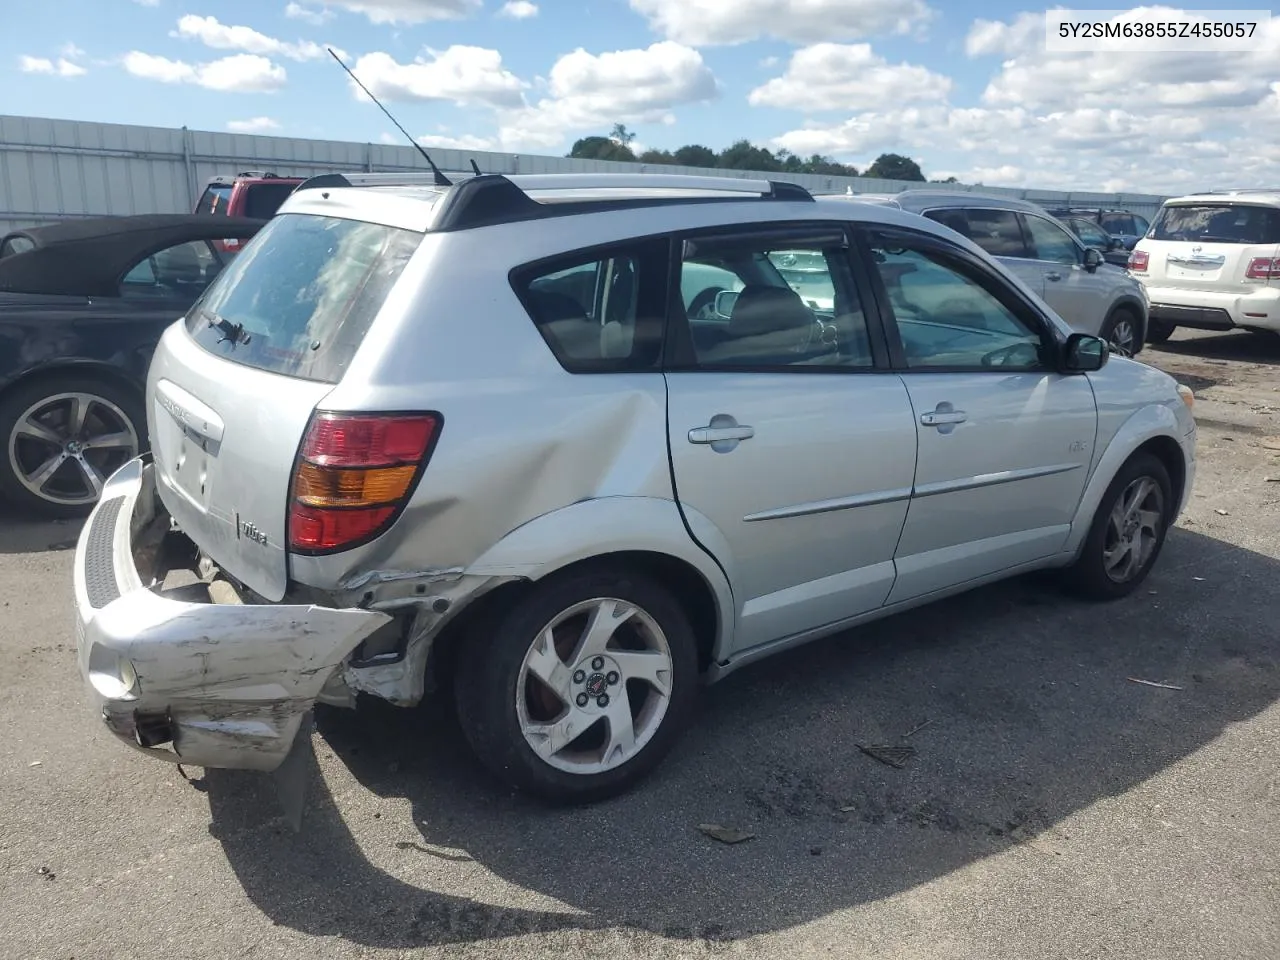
column 601, row 148
column 695, row 155
column 744, row 155
column 620, row 134
column 894, row 166
column 656, row 156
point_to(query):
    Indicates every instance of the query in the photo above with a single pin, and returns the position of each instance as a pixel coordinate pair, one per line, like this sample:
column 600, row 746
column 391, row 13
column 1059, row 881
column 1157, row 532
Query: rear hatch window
column 264, row 199
column 301, row 296
column 1218, row 223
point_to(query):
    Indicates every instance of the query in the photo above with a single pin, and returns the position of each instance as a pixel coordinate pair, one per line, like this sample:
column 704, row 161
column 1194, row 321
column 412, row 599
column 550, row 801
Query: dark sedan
column 82, row 305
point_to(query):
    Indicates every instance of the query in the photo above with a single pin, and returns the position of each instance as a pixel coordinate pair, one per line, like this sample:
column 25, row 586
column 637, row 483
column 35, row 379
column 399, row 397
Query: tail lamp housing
column 1263, row 268
column 353, row 475
column 1138, row 261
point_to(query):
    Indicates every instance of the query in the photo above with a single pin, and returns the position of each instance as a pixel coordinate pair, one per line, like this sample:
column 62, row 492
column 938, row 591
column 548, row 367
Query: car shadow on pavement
column 1239, row 345
column 1020, row 706
column 28, row 533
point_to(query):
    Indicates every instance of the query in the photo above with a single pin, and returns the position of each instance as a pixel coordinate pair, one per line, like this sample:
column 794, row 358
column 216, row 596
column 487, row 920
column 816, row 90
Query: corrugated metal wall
column 55, row 169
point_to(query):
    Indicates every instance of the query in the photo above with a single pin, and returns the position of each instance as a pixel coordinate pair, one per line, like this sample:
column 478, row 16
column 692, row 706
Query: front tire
column 582, row 687
column 1123, row 333
column 1128, row 531
column 62, row 437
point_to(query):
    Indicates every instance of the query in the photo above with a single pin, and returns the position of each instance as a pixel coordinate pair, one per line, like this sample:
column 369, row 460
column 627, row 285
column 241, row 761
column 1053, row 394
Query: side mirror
column 1084, row 353
column 725, row 300
column 1093, row 259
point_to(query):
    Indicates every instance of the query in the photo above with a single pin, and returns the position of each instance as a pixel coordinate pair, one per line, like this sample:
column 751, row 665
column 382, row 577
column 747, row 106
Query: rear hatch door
column 233, row 386
column 1209, row 246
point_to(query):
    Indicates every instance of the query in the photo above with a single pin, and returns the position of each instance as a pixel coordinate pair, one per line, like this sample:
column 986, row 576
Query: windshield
column 1218, row 223
column 301, row 296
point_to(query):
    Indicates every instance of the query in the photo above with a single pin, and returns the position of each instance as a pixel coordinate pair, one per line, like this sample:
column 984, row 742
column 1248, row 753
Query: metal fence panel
column 57, row 169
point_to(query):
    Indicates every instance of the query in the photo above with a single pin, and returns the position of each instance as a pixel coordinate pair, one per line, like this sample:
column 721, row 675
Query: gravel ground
column 1054, row 808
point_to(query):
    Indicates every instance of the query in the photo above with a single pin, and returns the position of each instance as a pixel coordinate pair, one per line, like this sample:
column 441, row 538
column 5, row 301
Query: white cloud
column 988, row 37
column 1118, row 76
column 252, row 125
column 296, row 11
column 703, row 22
column 518, row 9
column 461, row 74
column 71, row 51
column 147, row 3
column 464, row 142
column 61, row 68
column 222, row 36
column 833, row 76
column 240, row 73
column 410, row 11
column 591, row 92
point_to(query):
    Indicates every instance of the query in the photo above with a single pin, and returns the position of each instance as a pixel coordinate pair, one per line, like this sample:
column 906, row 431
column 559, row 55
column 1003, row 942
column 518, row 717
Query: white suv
column 571, row 445
column 1212, row 261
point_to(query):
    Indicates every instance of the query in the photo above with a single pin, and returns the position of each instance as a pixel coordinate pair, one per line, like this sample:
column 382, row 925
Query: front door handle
column 717, row 434
column 1053, row 275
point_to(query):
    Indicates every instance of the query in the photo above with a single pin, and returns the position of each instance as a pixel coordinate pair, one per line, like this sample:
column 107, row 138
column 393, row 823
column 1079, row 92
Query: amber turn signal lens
column 328, row 487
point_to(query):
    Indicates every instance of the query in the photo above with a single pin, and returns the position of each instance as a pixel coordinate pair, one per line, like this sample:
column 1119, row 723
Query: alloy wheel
column 594, row 686
column 1124, row 337
column 1134, row 528
column 64, row 447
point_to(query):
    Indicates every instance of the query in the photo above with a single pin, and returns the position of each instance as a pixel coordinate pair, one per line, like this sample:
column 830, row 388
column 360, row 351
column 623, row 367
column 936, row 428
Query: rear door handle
column 937, row 418
column 1053, row 275
column 718, row 434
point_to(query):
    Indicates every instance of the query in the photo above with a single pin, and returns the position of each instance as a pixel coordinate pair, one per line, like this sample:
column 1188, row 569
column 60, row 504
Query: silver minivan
column 1076, row 281
column 570, row 446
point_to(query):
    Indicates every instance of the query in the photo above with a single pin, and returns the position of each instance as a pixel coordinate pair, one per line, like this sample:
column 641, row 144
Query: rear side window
column 1218, row 223
column 600, row 311
column 299, row 299
column 995, row 231
column 262, row 200
column 216, row 199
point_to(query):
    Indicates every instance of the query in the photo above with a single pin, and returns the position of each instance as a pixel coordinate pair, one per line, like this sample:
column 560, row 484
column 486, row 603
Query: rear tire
column 1127, row 533
column 1159, row 331
column 61, row 438
column 581, row 688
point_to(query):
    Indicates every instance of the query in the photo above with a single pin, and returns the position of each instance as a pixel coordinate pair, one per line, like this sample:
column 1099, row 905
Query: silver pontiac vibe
column 575, row 444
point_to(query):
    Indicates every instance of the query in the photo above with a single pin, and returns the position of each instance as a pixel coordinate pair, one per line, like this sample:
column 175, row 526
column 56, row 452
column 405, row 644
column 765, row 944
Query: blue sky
column 967, row 89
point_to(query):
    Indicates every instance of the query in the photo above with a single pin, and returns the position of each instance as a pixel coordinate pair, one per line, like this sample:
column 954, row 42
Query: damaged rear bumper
column 210, row 684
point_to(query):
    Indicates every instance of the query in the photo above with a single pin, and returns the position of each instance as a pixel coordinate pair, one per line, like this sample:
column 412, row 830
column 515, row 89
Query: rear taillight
column 1138, row 261
column 1263, row 268
column 353, row 475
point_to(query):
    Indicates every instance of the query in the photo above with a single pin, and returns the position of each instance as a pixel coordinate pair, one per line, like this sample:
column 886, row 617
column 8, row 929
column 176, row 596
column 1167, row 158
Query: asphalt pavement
column 1051, row 806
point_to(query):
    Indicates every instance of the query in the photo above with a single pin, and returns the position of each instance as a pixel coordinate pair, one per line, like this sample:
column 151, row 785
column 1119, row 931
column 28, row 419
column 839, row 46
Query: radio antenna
column 441, row 179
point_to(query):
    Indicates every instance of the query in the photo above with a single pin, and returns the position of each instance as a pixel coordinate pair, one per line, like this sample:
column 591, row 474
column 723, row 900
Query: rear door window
column 995, row 231
column 299, row 300
column 215, row 199
column 183, row 270
column 1218, row 223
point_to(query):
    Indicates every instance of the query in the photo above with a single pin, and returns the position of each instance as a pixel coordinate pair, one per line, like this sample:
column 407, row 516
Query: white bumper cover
column 214, row 685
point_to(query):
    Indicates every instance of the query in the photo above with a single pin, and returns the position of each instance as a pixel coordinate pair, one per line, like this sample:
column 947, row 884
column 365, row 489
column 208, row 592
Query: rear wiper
column 232, row 333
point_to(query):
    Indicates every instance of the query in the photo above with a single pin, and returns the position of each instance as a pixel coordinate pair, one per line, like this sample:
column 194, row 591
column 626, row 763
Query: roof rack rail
column 489, row 199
